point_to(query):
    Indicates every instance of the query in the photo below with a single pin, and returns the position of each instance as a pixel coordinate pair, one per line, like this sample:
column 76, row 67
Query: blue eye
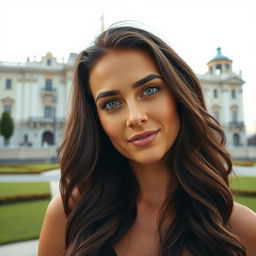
column 150, row 90
column 110, row 105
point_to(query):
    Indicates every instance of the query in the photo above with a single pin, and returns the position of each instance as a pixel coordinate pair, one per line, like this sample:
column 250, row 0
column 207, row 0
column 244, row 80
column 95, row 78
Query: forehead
column 121, row 67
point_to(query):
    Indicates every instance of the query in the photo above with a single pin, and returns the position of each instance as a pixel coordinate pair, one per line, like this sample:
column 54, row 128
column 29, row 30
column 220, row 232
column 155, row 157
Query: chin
column 148, row 159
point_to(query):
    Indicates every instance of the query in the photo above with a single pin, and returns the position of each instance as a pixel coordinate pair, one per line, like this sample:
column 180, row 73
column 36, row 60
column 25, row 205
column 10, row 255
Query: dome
column 219, row 56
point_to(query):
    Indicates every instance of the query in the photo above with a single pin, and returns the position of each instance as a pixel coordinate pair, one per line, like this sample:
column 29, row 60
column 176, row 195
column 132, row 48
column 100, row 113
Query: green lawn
column 244, row 183
column 250, row 202
column 27, row 168
column 23, row 188
column 21, row 221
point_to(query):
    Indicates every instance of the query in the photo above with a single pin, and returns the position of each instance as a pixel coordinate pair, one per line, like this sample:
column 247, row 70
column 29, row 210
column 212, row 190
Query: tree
column 6, row 127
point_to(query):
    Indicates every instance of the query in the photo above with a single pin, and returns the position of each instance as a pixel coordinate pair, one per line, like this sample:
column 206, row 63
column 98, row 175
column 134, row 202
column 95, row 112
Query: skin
column 136, row 110
column 132, row 111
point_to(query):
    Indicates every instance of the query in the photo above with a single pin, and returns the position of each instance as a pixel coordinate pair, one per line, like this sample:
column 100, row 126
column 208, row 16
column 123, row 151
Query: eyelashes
column 150, row 90
column 111, row 105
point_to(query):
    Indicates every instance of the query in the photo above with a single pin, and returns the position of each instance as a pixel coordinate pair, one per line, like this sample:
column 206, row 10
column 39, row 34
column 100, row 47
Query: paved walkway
column 245, row 171
column 30, row 248
column 45, row 176
column 52, row 177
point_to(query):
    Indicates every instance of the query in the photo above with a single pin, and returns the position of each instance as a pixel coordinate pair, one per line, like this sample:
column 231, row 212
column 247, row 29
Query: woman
column 144, row 167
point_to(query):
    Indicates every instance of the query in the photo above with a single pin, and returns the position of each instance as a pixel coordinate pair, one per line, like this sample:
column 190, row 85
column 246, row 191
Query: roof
column 219, row 56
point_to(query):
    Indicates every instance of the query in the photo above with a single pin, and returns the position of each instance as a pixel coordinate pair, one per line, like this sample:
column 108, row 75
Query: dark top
column 112, row 252
column 108, row 252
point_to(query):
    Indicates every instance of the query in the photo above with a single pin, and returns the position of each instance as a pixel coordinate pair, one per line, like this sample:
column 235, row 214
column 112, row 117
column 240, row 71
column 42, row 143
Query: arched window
column 236, row 139
column 47, row 138
column 218, row 69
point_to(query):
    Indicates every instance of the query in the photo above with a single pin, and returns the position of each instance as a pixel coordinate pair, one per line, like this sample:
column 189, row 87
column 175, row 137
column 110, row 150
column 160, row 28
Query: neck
column 155, row 183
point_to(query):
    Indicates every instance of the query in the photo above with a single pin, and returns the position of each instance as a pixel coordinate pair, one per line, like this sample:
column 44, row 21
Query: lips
column 144, row 138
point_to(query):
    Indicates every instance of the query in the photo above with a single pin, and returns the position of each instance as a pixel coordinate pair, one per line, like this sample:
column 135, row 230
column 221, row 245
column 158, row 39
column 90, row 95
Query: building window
column 8, row 84
column 227, row 66
column 234, row 116
column 233, row 93
column 215, row 93
column 48, row 84
column 218, row 69
column 49, row 62
column 47, row 139
column 25, row 139
column 8, row 109
column 48, row 112
column 236, row 139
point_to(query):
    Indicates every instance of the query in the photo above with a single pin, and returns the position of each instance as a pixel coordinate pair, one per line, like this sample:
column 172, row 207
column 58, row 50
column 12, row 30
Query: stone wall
column 31, row 154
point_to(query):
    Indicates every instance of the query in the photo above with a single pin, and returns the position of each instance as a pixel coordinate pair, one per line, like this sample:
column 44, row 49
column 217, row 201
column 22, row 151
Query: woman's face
column 135, row 107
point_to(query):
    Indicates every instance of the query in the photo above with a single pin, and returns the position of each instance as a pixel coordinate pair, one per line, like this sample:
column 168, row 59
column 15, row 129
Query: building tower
column 224, row 98
column 220, row 64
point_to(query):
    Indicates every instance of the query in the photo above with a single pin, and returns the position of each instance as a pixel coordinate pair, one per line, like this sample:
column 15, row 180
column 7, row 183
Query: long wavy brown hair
column 107, row 187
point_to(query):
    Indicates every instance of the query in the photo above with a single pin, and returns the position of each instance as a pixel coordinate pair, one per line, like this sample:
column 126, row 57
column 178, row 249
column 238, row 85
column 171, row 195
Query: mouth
column 143, row 139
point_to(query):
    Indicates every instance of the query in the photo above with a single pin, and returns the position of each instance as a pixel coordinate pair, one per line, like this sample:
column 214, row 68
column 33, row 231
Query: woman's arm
column 243, row 225
column 52, row 236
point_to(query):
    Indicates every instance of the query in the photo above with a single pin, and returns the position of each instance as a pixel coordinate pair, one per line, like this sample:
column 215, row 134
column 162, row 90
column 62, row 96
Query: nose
column 137, row 117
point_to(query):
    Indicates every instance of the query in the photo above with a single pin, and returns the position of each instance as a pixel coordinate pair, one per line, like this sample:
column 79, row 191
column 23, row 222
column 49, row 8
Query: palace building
column 223, row 92
column 36, row 94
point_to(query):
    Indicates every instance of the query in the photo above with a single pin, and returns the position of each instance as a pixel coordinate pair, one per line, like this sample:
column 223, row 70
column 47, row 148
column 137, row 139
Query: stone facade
column 36, row 94
column 223, row 92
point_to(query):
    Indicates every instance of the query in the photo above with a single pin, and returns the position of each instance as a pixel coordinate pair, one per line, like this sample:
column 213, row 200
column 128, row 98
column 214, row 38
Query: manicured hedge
column 26, row 168
column 244, row 162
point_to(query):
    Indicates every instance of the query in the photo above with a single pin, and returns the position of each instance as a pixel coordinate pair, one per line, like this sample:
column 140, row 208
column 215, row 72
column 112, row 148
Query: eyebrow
column 135, row 85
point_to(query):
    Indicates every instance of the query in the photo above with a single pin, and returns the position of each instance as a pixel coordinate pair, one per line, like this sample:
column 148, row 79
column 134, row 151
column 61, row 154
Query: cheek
column 165, row 108
column 112, row 127
column 169, row 115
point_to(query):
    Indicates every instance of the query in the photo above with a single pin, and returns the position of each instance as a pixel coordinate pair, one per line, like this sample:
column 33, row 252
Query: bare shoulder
column 52, row 236
column 243, row 225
